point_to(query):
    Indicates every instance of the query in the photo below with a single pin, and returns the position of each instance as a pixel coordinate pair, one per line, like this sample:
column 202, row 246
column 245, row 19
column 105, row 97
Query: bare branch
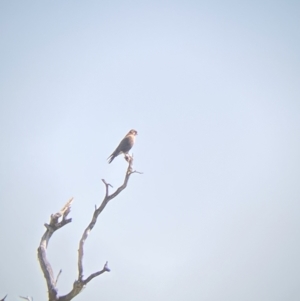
column 57, row 221
column 80, row 283
column 3, row 298
column 91, row 225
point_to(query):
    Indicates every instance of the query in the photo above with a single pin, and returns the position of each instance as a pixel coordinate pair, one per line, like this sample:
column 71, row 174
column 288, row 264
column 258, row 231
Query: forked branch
column 59, row 220
column 91, row 225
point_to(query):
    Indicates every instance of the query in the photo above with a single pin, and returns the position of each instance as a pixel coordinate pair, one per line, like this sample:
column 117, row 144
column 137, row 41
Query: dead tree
column 59, row 220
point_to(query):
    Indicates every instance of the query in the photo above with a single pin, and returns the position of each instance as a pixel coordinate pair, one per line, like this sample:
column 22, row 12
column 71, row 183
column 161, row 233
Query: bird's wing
column 124, row 146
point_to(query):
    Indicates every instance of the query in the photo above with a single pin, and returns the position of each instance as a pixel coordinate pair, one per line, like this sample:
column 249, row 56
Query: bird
column 125, row 145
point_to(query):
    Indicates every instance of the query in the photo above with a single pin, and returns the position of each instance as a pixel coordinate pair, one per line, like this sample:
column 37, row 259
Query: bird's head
column 133, row 132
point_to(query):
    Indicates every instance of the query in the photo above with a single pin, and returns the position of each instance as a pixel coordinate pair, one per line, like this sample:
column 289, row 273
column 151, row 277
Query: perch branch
column 91, row 225
column 3, row 298
column 80, row 283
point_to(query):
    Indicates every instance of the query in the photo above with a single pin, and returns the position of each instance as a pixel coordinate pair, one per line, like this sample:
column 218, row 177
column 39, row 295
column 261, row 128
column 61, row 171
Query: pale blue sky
column 212, row 87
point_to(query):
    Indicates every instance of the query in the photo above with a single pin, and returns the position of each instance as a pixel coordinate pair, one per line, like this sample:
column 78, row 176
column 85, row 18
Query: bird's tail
column 110, row 158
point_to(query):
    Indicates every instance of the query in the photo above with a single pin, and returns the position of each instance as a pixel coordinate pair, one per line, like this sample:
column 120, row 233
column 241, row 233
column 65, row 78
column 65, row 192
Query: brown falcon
column 125, row 145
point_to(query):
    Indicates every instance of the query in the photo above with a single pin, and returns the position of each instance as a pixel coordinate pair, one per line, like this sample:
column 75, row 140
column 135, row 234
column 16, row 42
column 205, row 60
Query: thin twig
column 106, row 187
column 60, row 271
column 135, row 171
column 27, row 298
